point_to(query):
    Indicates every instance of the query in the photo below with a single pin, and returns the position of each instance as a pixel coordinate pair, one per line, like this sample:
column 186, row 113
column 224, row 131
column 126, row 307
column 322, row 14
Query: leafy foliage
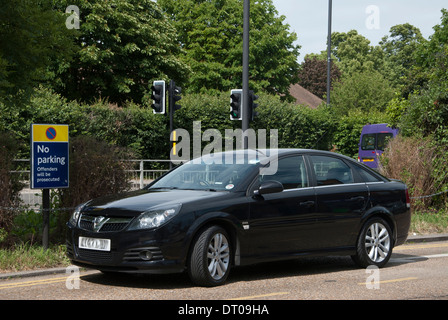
column 399, row 48
column 366, row 91
column 354, row 53
column 211, row 34
column 9, row 186
column 313, row 75
column 123, row 45
column 32, row 36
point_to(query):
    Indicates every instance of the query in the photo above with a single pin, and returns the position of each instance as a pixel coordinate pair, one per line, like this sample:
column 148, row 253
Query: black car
column 243, row 207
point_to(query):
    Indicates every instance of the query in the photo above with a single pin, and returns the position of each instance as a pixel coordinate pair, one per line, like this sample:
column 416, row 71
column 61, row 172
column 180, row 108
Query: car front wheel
column 374, row 245
column 210, row 258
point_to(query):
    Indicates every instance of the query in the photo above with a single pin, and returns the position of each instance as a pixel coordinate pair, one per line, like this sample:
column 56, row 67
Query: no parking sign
column 49, row 156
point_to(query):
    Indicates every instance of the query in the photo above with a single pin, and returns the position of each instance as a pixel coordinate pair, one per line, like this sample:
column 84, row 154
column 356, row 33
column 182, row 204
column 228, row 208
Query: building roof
column 304, row 97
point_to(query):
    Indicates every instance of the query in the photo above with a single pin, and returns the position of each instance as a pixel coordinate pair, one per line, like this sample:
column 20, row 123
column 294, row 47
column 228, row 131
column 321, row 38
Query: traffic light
column 252, row 105
column 236, row 104
column 174, row 93
column 158, row 96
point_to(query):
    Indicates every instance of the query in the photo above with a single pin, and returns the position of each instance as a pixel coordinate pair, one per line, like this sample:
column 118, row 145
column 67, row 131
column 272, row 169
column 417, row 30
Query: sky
column 371, row 18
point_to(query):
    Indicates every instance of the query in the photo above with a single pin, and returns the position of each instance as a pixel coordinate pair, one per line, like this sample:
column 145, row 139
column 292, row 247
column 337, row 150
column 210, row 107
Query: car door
column 281, row 223
column 340, row 201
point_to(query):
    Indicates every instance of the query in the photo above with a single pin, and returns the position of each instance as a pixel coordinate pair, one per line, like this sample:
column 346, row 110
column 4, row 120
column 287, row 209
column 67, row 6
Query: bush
column 367, row 90
column 96, row 169
column 416, row 161
column 136, row 127
column 298, row 126
column 427, row 114
column 9, row 186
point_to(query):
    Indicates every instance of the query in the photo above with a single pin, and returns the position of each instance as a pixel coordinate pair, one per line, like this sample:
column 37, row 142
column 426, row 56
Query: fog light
column 145, row 255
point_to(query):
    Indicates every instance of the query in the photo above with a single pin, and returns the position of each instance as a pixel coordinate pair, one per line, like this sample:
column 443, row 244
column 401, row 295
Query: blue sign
column 49, row 156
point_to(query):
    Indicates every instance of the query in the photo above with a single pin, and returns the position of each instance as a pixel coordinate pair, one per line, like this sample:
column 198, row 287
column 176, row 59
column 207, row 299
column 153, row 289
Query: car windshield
column 214, row 172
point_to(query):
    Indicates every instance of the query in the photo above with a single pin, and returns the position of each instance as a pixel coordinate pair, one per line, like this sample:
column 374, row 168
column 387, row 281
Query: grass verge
column 429, row 222
column 25, row 257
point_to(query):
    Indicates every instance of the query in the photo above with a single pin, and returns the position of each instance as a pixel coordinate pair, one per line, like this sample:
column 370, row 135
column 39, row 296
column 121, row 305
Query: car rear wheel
column 210, row 258
column 374, row 245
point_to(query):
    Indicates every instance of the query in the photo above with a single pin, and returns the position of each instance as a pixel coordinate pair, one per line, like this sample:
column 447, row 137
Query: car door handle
column 306, row 204
column 357, row 199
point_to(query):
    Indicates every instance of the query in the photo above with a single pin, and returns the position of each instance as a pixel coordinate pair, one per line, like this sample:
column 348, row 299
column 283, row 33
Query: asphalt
column 50, row 271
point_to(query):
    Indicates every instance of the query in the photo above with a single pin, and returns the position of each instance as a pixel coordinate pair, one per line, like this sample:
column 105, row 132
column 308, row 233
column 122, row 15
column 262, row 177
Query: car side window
column 329, row 171
column 291, row 172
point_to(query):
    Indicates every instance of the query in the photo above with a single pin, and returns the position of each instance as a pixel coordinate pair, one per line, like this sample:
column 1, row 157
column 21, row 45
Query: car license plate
column 94, row 244
column 367, row 160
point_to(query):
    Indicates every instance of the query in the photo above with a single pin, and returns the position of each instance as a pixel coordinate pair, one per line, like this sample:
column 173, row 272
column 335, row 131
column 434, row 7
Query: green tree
column 366, row 91
column 399, row 47
column 355, row 54
column 32, row 35
column 430, row 51
column 123, row 46
column 430, row 60
column 211, row 33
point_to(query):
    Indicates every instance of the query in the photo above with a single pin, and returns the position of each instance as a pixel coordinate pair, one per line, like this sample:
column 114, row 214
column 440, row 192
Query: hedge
column 148, row 134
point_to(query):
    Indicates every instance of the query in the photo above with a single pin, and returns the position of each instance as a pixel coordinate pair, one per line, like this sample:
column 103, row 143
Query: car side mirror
column 269, row 187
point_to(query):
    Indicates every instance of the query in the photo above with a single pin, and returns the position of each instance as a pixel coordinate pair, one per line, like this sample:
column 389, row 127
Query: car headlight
column 76, row 213
column 154, row 217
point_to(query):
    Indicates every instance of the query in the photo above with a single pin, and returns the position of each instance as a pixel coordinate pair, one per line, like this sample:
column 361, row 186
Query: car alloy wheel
column 218, row 254
column 374, row 245
column 377, row 242
column 210, row 258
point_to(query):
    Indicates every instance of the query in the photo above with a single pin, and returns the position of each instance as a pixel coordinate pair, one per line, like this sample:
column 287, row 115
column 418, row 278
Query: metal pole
column 141, row 174
column 245, row 121
column 329, row 52
column 171, row 111
column 45, row 218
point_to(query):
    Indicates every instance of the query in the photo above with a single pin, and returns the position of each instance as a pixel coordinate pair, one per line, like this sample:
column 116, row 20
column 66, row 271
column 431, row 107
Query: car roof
column 275, row 152
column 285, row 151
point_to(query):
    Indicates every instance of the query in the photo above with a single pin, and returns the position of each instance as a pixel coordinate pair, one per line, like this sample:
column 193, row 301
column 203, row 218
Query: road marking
column 261, row 296
column 442, row 255
column 421, row 246
column 32, row 283
column 407, row 259
column 390, row 281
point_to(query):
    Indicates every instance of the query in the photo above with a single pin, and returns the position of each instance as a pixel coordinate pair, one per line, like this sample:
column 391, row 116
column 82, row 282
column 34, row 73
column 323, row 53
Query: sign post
column 49, row 165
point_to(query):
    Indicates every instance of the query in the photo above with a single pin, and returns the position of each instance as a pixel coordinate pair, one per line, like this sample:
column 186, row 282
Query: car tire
column 374, row 246
column 210, row 258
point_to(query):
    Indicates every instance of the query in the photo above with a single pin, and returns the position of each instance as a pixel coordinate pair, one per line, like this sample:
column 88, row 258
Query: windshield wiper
column 159, row 188
column 171, row 188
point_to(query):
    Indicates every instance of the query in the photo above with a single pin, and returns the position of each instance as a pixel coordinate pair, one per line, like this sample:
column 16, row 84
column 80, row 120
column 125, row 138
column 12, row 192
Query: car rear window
column 366, row 176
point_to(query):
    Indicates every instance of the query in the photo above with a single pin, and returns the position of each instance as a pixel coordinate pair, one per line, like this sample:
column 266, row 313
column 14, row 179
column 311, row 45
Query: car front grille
column 103, row 224
column 96, row 256
column 131, row 255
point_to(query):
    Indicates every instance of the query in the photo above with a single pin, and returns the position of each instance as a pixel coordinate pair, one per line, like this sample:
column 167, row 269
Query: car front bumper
column 131, row 251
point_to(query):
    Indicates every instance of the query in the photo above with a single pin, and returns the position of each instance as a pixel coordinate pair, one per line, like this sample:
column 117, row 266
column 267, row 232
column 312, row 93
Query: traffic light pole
column 174, row 96
column 171, row 111
column 159, row 103
column 329, row 52
column 245, row 120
